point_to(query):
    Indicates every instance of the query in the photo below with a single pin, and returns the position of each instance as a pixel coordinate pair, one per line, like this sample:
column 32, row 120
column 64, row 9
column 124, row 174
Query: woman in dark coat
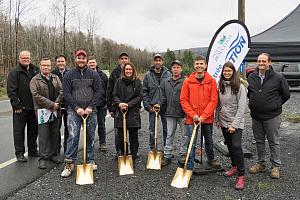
column 127, row 94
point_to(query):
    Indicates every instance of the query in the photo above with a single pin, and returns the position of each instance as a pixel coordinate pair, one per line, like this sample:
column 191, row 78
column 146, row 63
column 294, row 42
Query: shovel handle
column 124, row 111
column 156, row 109
column 84, row 118
column 191, row 142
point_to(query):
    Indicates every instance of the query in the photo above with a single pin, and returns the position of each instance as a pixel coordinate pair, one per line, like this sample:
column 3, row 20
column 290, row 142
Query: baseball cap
column 123, row 54
column 157, row 55
column 80, row 52
column 176, row 62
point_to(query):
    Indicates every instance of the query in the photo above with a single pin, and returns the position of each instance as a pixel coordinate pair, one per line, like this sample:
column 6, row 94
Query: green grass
column 292, row 117
column 265, row 186
column 227, row 197
column 2, row 92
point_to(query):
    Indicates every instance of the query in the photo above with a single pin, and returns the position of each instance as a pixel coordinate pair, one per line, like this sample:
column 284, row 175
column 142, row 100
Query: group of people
column 69, row 94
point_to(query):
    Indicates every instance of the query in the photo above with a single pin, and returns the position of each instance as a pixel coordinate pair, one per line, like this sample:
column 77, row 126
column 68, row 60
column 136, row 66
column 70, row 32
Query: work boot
column 181, row 160
column 42, row 164
column 165, row 161
column 69, row 168
column 233, row 170
column 257, row 168
column 214, row 164
column 275, row 173
column 94, row 166
column 21, row 158
column 240, row 183
column 103, row 147
column 55, row 160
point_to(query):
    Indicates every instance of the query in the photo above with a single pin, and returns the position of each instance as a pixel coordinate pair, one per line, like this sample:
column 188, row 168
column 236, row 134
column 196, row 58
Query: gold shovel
column 125, row 163
column 84, row 171
column 155, row 157
column 182, row 176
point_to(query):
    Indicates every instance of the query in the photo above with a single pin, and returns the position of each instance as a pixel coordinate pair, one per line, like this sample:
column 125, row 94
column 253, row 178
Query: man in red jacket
column 199, row 98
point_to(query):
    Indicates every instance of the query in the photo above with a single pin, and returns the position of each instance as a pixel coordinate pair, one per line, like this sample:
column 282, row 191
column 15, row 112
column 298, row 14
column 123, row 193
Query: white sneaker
column 95, row 167
column 69, row 167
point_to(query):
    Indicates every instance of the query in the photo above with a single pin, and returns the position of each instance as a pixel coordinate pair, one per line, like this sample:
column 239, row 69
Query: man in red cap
column 82, row 89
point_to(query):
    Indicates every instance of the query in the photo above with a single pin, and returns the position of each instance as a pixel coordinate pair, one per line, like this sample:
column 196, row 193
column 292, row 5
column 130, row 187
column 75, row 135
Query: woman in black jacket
column 127, row 94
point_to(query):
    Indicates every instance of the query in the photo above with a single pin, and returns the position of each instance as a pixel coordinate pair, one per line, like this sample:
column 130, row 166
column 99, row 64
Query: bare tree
column 91, row 29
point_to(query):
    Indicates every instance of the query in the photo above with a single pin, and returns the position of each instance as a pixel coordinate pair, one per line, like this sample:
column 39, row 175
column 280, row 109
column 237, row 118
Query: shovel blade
column 125, row 165
column 84, row 174
column 154, row 160
column 182, row 178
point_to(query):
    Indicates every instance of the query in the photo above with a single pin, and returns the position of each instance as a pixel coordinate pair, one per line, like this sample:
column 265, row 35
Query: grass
column 227, row 197
column 265, row 186
column 292, row 117
column 3, row 92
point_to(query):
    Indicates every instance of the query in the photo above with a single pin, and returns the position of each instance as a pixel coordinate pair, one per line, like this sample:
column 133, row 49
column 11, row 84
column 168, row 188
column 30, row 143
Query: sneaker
column 55, row 160
column 69, row 167
column 240, row 183
column 275, row 173
column 94, row 166
column 231, row 172
column 42, row 164
column 181, row 160
column 165, row 161
column 214, row 163
column 103, row 147
column 21, row 158
column 257, row 168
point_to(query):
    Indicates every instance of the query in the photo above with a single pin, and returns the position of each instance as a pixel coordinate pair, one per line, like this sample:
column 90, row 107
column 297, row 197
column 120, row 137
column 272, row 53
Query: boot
column 231, row 172
column 240, row 183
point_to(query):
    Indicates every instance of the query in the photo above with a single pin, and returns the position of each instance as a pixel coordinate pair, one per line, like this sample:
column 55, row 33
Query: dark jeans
column 133, row 140
column 101, row 114
column 152, row 127
column 117, row 146
column 48, row 139
column 206, row 130
column 27, row 117
column 63, row 117
column 234, row 145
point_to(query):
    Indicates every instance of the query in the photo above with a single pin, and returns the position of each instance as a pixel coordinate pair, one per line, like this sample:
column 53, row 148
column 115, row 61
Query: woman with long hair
column 230, row 117
column 127, row 94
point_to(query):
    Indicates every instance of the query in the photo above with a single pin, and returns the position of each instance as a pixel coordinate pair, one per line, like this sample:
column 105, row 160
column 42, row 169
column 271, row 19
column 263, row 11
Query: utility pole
column 241, row 10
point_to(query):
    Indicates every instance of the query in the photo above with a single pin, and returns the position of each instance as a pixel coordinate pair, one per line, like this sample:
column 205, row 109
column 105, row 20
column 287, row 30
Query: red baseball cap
column 80, row 52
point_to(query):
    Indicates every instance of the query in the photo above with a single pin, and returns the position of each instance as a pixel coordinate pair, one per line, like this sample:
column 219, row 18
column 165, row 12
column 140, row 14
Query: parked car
column 291, row 72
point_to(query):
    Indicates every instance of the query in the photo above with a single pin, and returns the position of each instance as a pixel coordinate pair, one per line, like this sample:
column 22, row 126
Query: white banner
column 230, row 43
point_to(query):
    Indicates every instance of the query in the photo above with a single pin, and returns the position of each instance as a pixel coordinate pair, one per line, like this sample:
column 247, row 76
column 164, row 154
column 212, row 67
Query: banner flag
column 230, row 43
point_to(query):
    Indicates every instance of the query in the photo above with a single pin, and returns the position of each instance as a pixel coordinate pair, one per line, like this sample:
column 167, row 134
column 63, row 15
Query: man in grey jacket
column 152, row 83
column 174, row 114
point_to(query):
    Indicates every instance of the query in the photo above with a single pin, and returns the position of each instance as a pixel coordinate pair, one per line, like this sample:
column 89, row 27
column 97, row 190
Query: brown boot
column 257, row 168
column 275, row 173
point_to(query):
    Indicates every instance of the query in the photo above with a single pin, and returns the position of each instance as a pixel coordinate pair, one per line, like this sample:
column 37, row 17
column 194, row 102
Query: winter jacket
column 266, row 100
column 152, row 87
column 114, row 76
column 130, row 92
column 61, row 75
column 231, row 108
column 104, row 80
column 171, row 97
column 40, row 92
column 199, row 98
column 82, row 88
column 18, row 89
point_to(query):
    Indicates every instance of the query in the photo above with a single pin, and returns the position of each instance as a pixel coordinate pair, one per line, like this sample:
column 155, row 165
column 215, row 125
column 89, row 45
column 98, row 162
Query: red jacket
column 199, row 98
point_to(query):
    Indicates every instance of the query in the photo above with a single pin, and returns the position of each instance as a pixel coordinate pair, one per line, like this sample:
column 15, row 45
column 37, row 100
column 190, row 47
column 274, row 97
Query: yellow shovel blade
column 125, row 165
column 182, row 178
column 154, row 160
column 84, row 174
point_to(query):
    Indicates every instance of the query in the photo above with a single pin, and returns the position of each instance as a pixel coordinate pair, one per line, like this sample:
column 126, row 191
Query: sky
column 156, row 25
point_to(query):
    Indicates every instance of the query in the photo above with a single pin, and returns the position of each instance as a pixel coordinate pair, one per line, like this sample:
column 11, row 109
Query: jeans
column 133, row 141
column 63, row 117
column 117, row 145
column 234, row 145
column 206, row 130
column 20, row 120
column 152, row 127
column 74, row 124
column 101, row 114
column 172, row 126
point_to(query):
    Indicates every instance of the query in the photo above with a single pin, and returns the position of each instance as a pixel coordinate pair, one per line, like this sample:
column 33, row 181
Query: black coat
column 114, row 76
column 18, row 89
column 130, row 92
column 61, row 75
column 104, row 80
column 266, row 100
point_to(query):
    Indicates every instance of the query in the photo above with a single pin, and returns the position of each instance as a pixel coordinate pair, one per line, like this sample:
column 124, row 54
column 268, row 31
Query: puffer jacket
column 40, row 92
column 231, row 107
column 171, row 97
column 199, row 98
column 152, row 87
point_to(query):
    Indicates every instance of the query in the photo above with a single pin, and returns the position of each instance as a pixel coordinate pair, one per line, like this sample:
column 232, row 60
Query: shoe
column 33, row 154
column 55, row 160
column 240, row 183
column 165, row 161
column 103, row 147
column 94, row 166
column 42, row 164
column 69, row 168
column 181, row 160
column 257, row 168
column 21, row 158
column 275, row 173
column 233, row 170
column 214, row 163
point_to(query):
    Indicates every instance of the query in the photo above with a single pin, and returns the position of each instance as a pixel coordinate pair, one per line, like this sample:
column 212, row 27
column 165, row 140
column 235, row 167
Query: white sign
column 45, row 115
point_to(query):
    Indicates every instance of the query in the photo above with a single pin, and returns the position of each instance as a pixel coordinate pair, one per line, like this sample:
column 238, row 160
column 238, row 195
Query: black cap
column 123, row 54
column 176, row 62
